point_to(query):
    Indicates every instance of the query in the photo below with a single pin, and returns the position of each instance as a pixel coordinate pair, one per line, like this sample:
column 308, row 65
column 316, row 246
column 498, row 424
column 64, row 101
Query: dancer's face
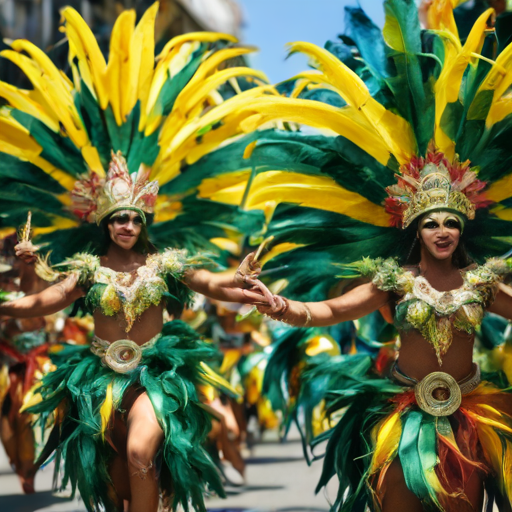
column 124, row 227
column 439, row 233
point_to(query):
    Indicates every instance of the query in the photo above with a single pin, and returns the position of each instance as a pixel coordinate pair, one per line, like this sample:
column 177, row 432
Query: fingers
column 254, row 297
column 263, row 289
column 26, row 251
column 264, row 309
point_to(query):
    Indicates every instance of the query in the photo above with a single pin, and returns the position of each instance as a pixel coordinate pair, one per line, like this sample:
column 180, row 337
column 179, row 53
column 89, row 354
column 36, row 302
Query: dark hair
column 143, row 244
column 460, row 258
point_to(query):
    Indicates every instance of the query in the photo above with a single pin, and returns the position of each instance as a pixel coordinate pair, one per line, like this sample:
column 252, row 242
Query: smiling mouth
column 125, row 236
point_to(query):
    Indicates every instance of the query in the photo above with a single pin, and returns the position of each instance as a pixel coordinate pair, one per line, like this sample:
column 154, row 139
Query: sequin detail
column 134, row 292
column 433, row 313
column 129, row 293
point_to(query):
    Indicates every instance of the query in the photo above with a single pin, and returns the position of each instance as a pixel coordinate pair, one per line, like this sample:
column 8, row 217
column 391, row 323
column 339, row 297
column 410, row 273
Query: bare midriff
column 112, row 328
column 417, row 357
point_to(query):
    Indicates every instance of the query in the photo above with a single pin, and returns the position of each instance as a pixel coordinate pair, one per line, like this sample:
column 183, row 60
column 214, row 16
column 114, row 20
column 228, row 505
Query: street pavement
column 278, row 480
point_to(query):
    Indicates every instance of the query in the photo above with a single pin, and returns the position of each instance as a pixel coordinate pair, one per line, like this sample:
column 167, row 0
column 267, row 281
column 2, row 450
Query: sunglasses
column 124, row 218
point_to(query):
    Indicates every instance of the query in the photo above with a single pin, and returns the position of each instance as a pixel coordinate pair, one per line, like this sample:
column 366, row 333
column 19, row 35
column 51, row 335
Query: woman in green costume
column 79, row 151
column 430, row 437
column 129, row 407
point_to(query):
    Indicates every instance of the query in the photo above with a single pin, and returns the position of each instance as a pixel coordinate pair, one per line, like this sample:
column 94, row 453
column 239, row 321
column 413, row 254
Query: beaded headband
column 434, row 183
column 95, row 198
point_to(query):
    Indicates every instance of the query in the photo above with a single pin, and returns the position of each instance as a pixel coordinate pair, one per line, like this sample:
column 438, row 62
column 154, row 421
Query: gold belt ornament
column 122, row 356
column 439, row 394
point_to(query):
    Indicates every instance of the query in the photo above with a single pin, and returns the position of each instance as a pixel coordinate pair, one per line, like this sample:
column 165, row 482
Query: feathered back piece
column 156, row 116
column 390, row 108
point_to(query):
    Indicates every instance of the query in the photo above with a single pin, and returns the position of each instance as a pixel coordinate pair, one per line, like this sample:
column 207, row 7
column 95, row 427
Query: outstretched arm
column 241, row 286
column 355, row 304
column 49, row 301
column 218, row 286
column 502, row 305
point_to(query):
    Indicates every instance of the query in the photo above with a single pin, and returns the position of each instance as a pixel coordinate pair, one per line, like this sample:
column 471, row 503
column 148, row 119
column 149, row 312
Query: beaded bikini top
column 433, row 313
column 130, row 293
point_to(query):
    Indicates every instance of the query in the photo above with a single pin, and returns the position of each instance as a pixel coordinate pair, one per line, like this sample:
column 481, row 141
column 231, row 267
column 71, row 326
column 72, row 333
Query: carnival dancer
column 130, row 421
column 24, row 345
column 423, row 120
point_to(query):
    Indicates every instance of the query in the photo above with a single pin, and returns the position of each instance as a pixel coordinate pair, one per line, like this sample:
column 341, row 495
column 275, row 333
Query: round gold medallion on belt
column 438, row 394
column 123, row 356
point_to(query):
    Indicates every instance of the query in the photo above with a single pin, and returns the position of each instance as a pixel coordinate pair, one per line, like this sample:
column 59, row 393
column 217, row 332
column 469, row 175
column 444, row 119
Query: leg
column 25, row 445
column 145, row 437
column 396, row 494
column 398, row 497
column 225, row 431
column 475, row 493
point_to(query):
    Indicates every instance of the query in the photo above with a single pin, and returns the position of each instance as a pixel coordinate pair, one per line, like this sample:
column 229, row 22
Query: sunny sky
column 270, row 24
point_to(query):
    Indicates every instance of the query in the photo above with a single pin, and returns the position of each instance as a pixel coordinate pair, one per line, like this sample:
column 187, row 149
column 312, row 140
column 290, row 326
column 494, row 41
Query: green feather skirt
column 81, row 390
column 381, row 421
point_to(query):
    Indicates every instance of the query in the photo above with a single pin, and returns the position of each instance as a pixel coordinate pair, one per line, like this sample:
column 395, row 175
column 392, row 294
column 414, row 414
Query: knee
column 140, row 454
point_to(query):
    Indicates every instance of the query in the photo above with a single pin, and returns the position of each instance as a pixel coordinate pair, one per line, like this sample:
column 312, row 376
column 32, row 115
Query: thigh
column 144, row 432
column 397, row 496
column 474, row 491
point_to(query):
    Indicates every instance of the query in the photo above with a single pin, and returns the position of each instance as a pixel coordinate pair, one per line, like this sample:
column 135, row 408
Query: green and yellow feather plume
column 164, row 112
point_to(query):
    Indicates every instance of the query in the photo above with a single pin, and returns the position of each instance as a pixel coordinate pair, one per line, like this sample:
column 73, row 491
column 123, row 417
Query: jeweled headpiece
column 434, row 183
column 94, row 198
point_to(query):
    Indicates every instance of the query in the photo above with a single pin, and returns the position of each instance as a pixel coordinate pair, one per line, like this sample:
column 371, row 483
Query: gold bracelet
column 308, row 315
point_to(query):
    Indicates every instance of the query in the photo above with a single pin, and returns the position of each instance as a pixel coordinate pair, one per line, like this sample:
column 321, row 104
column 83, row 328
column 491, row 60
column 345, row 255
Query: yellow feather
column 118, row 69
column 165, row 69
column 85, row 47
column 106, row 410
column 15, row 140
column 394, row 130
column 387, row 435
column 500, row 190
column 319, row 192
column 7, row 232
column 192, row 96
column 448, row 84
column 167, row 208
column 92, row 158
column 177, row 144
column 440, row 15
column 231, row 357
column 226, row 244
column 215, row 380
column 492, row 447
column 141, row 63
column 498, row 80
column 249, row 149
column 499, row 110
column 22, row 100
column 346, row 122
column 322, row 344
column 203, row 37
column 58, row 223
column 214, row 61
column 279, row 249
column 47, row 79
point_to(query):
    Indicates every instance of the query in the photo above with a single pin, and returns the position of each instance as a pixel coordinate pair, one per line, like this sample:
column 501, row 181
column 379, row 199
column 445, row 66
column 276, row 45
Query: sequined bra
column 130, row 293
column 433, row 313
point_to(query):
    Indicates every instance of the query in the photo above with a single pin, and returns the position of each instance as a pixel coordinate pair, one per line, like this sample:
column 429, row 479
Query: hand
column 246, row 277
column 26, row 251
column 250, row 268
column 276, row 310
